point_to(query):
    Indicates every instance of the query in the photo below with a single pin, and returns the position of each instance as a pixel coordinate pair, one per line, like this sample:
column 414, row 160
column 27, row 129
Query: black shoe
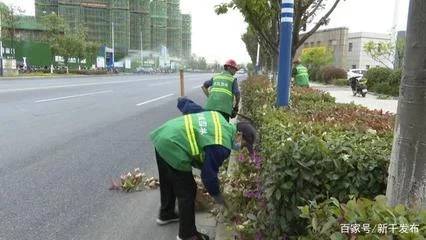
column 198, row 236
column 172, row 218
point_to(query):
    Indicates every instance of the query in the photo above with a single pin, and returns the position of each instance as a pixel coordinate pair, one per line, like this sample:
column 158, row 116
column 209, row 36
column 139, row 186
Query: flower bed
column 315, row 150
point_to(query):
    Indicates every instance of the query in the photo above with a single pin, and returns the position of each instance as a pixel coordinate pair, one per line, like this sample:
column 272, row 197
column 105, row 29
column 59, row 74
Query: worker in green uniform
column 202, row 140
column 223, row 92
column 300, row 74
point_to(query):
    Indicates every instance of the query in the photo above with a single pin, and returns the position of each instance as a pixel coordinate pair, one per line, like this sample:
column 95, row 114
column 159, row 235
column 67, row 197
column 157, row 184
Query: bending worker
column 300, row 74
column 223, row 92
column 202, row 140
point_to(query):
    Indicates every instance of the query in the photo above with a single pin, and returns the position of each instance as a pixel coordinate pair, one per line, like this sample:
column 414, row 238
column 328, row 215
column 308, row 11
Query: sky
column 218, row 38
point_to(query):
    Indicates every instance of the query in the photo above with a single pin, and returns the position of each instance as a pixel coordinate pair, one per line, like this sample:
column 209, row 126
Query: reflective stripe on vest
column 222, row 90
column 217, row 128
column 191, row 136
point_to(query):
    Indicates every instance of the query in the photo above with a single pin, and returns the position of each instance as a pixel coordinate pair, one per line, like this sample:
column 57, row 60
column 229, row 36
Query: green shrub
column 315, row 59
column 257, row 94
column 312, row 151
column 311, row 161
column 333, row 220
column 340, row 82
column 331, row 73
column 377, row 75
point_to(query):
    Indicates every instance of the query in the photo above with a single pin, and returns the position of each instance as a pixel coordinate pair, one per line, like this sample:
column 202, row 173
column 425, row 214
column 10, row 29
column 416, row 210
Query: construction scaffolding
column 186, row 36
column 97, row 23
column 140, row 25
column 43, row 7
column 174, row 28
column 159, row 24
column 71, row 14
column 121, row 22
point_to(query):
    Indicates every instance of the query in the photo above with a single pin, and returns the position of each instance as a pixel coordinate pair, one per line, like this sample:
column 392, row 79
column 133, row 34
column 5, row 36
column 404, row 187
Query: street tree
column 10, row 19
column 315, row 59
column 407, row 171
column 264, row 18
column 251, row 41
column 386, row 53
column 92, row 49
column 55, row 26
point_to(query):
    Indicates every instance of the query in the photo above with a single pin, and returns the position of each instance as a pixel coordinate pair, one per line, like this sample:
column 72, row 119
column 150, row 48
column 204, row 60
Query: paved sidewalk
column 371, row 101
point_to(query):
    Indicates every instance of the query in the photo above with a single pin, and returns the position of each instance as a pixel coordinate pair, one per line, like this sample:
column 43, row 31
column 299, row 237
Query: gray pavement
column 371, row 101
column 62, row 140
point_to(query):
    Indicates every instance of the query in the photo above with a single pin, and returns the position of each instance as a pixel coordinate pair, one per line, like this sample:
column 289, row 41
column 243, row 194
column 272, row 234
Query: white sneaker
column 164, row 222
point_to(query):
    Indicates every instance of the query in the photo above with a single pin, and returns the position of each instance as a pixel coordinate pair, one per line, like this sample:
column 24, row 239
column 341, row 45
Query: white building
column 357, row 57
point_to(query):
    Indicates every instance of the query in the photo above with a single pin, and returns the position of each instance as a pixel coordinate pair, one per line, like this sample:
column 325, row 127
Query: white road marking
column 72, row 96
column 75, row 85
column 159, row 84
column 155, row 99
column 197, row 87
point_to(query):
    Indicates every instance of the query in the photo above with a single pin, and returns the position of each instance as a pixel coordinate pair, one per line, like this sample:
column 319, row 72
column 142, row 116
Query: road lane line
column 199, row 86
column 76, row 85
column 159, row 84
column 72, row 96
column 155, row 99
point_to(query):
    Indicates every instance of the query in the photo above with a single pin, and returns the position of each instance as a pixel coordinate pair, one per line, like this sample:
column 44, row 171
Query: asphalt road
column 62, row 140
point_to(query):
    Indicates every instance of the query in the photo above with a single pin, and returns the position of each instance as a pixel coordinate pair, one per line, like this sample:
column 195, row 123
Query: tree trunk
column 407, row 170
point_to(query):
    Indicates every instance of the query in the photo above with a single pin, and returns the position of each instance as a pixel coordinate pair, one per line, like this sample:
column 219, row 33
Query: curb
column 62, row 76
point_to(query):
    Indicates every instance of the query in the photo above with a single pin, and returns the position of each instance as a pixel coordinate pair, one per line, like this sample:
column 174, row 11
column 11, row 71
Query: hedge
column 315, row 150
column 384, row 80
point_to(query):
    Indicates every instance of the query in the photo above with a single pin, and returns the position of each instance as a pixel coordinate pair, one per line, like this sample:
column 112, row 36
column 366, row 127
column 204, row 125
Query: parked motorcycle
column 358, row 86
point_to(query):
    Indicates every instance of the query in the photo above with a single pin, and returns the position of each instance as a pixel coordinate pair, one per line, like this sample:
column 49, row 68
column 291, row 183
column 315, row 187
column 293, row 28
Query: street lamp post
column 113, row 45
column 257, row 67
column 141, row 50
column 284, row 69
column 1, row 49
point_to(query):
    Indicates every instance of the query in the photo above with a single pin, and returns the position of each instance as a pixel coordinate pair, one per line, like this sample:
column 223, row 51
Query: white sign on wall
column 100, row 62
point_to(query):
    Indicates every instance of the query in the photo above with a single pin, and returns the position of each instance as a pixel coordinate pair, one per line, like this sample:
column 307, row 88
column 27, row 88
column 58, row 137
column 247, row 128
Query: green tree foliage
column 92, row 49
column 250, row 39
column 384, row 52
column 400, row 53
column 9, row 20
column 263, row 16
column 315, row 59
column 66, row 43
column 195, row 62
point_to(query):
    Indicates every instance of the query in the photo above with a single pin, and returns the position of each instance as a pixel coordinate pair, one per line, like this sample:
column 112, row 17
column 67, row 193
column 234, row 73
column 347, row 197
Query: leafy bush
column 331, row 73
column 384, row 80
column 314, row 150
column 340, row 82
column 262, row 95
column 243, row 189
column 88, row 72
column 311, row 161
column 315, row 59
column 358, row 217
column 377, row 75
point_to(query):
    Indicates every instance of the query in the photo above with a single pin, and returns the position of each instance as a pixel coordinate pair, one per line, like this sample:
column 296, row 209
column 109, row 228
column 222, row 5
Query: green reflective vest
column 180, row 141
column 302, row 76
column 221, row 97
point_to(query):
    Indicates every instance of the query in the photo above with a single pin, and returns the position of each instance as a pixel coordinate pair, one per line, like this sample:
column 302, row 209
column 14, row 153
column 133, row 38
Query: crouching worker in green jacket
column 202, row 140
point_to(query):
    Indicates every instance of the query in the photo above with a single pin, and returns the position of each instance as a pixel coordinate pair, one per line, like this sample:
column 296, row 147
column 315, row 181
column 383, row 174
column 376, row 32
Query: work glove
column 234, row 112
column 219, row 199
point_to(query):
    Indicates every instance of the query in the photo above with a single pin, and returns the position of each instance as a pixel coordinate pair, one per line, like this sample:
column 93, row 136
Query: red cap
column 231, row 63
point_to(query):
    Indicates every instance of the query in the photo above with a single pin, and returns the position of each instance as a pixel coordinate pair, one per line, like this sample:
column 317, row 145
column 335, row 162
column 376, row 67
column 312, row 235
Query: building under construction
column 127, row 25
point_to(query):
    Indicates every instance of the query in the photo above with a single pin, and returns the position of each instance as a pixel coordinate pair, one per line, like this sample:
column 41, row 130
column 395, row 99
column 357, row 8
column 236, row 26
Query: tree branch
column 321, row 22
column 314, row 10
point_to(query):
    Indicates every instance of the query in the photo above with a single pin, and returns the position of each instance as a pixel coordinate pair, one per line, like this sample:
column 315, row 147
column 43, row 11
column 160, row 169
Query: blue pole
column 286, row 38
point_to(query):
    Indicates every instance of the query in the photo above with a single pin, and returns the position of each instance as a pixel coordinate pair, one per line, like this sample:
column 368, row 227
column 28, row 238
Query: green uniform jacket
column 302, row 76
column 180, row 141
column 221, row 97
